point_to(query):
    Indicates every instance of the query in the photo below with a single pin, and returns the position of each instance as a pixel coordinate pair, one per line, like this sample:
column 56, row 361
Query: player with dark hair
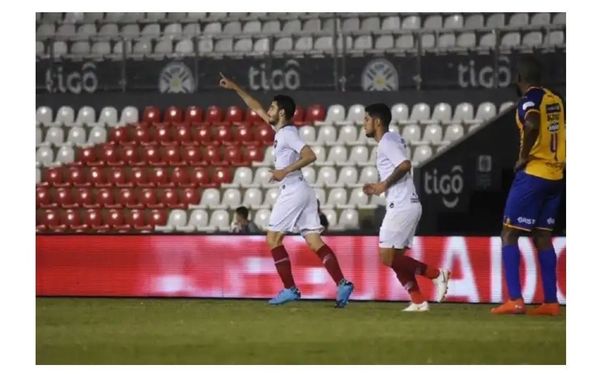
column 535, row 194
column 296, row 207
column 403, row 209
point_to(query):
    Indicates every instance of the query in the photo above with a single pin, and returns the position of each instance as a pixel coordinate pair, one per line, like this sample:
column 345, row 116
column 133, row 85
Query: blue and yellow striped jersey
column 548, row 154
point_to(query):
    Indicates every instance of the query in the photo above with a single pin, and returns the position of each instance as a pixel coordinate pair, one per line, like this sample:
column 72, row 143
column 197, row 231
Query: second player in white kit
column 295, row 210
column 403, row 209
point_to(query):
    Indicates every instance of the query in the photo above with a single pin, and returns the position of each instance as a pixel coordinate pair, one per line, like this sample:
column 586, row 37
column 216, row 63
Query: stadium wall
column 241, row 267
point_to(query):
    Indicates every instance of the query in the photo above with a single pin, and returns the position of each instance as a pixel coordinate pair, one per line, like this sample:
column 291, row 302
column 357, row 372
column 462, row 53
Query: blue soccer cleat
column 345, row 288
column 285, row 295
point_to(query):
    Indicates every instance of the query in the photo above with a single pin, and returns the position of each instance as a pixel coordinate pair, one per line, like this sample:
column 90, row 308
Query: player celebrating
column 403, row 209
column 296, row 207
column 535, row 193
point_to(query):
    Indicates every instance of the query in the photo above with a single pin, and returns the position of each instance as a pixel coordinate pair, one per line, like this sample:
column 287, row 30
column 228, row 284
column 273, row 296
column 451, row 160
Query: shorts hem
column 517, row 227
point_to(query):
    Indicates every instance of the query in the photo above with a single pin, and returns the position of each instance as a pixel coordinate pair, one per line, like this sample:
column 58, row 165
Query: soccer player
column 403, row 209
column 535, row 193
column 296, row 207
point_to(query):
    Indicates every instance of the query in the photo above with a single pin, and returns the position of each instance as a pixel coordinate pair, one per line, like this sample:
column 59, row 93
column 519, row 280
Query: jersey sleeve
column 293, row 140
column 530, row 103
column 394, row 151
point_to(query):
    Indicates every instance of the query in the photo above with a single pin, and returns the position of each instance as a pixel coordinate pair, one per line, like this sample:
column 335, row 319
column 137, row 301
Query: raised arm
column 247, row 98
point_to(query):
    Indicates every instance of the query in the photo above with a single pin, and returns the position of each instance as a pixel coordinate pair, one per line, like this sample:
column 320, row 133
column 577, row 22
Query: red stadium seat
column 94, row 221
column 160, row 177
column 130, row 155
column 223, row 134
column 233, row 155
column 49, row 220
column 163, row 135
column 142, row 136
column 173, row 115
column 183, row 135
column 105, row 198
column 265, row 134
column 201, row 177
column 158, row 217
column 151, row 115
column 170, row 198
column 64, row 198
column 315, row 112
column 71, row 219
column 243, row 134
column 84, row 197
column 298, row 118
column 119, row 135
column 43, row 198
column 116, row 220
column 192, row 156
column 148, row 198
column 254, row 153
column 202, row 135
column 221, row 175
column 86, row 156
column 234, row 115
column 212, row 155
column 97, row 177
column 171, row 155
column 76, row 176
column 128, row 198
column 151, row 155
column 194, row 115
column 139, row 177
column 137, row 220
column 109, row 153
column 214, row 114
column 117, row 177
column 190, row 196
column 55, row 177
column 181, row 177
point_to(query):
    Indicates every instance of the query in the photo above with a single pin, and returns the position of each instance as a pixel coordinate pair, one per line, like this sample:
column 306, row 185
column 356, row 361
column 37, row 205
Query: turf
column 199, row 331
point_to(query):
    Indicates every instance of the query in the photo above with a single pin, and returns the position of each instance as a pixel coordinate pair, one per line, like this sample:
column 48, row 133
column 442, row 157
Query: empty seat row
column 77, row 176
column 85, row 197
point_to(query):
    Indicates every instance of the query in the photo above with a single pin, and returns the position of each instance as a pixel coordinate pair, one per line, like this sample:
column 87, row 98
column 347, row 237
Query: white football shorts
column 295, row 210
column 399, row 225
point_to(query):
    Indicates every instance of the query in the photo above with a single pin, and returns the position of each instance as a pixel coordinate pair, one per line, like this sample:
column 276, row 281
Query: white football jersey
column 391, row 152
column 286, row 149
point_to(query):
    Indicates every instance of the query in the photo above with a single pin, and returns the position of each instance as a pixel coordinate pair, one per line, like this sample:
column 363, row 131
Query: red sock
column 330, row 262
column 431, row 273
column 283, row 265
column 409, row 282
column 403, row 262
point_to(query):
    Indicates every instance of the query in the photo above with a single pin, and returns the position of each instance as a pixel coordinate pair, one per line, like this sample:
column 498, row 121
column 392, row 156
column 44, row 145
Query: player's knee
column 274, row 239
column 509, row 236
column 386, row 256
column 542, row 239
column 314, row 241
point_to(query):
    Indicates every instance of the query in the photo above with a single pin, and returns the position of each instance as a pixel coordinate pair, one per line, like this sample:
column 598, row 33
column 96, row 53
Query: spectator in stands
column 241, row 224
column 322, row 217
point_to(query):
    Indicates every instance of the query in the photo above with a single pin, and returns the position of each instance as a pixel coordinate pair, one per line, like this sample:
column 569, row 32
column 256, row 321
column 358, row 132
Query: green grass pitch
column 206, row 331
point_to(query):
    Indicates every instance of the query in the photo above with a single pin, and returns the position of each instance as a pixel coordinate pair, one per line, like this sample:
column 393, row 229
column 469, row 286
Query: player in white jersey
column 296, row 207
column 403, row 209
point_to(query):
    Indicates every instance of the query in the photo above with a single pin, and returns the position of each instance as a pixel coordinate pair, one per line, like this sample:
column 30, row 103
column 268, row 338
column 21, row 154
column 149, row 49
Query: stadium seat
column 485, row 111
column 38, row 176
column 321, row 156
column 391, row 23
column 148, row 197
column 474, row 21
column 65, row 116
column 368, row 175
column 433, row 22
column 44, row 156
column 532, row 39
column 180, row 177
column 116, row 221
column 407, row 41
column 488, row 41
column 43, row 197
column 559, row 19
column 177, row 221
column 362, row 43
column 43, row 116
column 359, row 154
column 463, row 113
column 519, row 19
column 555, row 38
column 327, row 135
column 348, row 135
column 270, row 198
column 97, row 135
column 495, row 20
column 119, row 135
column 190, row 196
column 506, row 105
column 92, row 218
column 231, row 199
column 65, row 155
column 80, row 48
column 170, row 198
column 160, row 177
column 59, row 49
column 191, row 155
column 454, row 21
column 338, row 155
column 261, row 219
column 108, row 117
column 411, row 23
column 241, row 178
column 308, row 134
column 422, row 153
column 219, row 220
column 411, row 133
column 117, row 176
column 129, row 115
column 171, row 155
column 157, row 217
column 335, row 113
column 151, row 115
column 337, row 196
column 441, row 114
column 420, row 113
column 97, row 177
column 399, row 113
column 137, row 220
column 264, row 134
column 358, row 199
column 384, row 42
column 315, row 113
column 151, row 155
column 326, row 177
column 271, row 27
column 54, row 137
column 331, row 216
column 348, row 220
column 200, row 177
column 104, row 198
column 454, row 132
column 347, row 176
column 253, row 198
column 198, row 219
column 211, row 197
column 50, row 221
column 540, row 19
column 291, row 26
column 356, row 115
column 510, row 40
column 309, row 175
column 71, row 219
column 221, row 175
column 214, row 114
column 45, row 30
column 466, row 40
column 446, row 41
column 431, row 135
